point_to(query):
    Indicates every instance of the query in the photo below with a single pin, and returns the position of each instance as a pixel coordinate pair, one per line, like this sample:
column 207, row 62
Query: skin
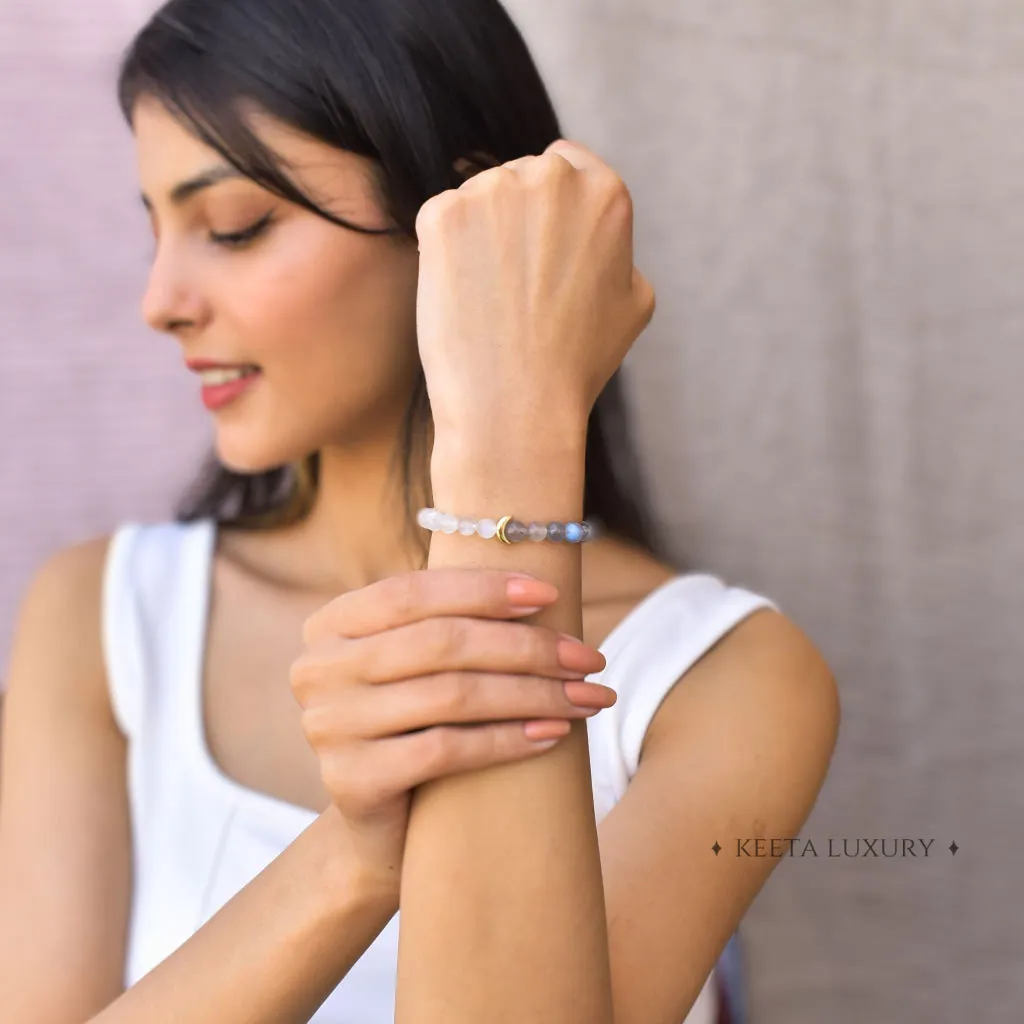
column 338, row 385
column 330, row 316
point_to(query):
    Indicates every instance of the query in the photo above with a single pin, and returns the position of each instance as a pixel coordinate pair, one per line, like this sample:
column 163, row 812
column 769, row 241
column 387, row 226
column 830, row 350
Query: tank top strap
column 646, row 654
column 154, row 611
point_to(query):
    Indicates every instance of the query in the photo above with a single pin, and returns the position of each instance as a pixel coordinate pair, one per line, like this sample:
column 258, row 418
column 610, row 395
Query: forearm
column 275, row 951
column 503, row 913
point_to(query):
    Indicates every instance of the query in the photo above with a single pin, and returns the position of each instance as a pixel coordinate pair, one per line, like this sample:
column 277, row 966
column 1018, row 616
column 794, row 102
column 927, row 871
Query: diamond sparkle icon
column 716, row 848
column 953, row 847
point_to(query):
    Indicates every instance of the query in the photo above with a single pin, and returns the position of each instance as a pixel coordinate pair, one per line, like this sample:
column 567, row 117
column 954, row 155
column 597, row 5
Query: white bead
column 449, row 523
column 424, row 517
column 538, row 531
column 487, row 528
column 467, row 527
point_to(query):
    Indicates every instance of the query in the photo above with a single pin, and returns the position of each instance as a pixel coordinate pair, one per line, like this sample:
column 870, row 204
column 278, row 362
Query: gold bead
column 502, row 523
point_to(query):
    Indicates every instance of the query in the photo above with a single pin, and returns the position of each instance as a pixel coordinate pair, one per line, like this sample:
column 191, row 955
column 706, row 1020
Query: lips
column 223, row 383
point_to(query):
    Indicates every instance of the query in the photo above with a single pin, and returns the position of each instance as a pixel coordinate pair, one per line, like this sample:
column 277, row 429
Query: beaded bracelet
column 507, row 529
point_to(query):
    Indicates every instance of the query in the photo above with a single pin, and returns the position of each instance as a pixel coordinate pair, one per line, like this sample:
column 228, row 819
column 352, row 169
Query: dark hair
column 415, row 85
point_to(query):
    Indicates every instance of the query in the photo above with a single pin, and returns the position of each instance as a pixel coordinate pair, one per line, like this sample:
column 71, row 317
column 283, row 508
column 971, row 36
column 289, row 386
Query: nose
column 171, row 301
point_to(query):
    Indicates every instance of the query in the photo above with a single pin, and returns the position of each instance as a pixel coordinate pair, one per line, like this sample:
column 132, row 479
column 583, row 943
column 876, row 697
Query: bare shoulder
column 765, row 669
column 65, row 839
column 76, row 568
column 768, row 678
column 71, row 578
column 59, row 618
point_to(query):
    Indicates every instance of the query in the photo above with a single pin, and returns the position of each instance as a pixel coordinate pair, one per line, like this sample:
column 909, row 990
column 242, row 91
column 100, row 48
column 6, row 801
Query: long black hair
column 418, row 86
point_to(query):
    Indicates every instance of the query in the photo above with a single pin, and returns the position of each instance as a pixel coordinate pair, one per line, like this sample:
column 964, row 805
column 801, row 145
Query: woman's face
column 328, row 315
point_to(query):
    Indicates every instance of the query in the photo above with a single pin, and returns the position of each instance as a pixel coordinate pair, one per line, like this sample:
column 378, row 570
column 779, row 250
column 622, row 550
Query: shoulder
column 762, row 669
column 59, row 622
column 68, row 580
column 769, row 686
column 72, row 591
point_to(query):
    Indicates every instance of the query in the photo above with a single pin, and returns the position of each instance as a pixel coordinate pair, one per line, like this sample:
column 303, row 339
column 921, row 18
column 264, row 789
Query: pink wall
column 97, row 422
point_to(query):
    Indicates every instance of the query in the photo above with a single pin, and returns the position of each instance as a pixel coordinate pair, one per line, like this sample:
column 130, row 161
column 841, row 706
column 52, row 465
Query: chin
column 248, row 457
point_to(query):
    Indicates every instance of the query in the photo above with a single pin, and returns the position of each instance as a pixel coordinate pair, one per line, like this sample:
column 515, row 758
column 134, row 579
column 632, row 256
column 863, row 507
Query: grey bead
column 516, row 531
column 556, row 531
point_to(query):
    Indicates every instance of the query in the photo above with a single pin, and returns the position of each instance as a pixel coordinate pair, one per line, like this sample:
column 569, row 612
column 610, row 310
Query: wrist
column 531, row 475
column 500, row 447
column 552, row 427
column 349, row 880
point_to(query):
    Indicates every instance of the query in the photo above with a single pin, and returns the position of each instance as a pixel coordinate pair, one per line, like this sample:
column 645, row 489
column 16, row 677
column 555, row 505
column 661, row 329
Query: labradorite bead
column 516, row 531
column 538, row 531
column 573, row 533
column 556, row 531
column 587, row 532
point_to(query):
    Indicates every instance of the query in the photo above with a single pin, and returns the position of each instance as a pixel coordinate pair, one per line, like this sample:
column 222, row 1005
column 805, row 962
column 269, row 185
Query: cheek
column 277, row 304
column 329, row 314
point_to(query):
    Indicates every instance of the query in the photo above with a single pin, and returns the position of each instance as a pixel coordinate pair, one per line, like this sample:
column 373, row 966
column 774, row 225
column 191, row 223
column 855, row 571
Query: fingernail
column 528, row 610
column 589, row 695
column 576, row 655
column 553, row 730
column 530, row 592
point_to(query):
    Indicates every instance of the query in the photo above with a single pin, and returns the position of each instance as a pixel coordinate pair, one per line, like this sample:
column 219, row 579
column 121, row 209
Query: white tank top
column 199, row 836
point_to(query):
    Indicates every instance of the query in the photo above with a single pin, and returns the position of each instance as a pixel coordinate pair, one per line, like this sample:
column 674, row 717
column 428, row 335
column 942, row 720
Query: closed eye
column 239, row 239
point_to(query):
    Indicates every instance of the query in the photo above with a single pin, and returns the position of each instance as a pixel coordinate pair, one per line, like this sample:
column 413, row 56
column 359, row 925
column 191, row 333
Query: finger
column 580, row 156
column 409, row 761
column 412, row 597
column 453, row 698
column 520, row 163
column 457, row 644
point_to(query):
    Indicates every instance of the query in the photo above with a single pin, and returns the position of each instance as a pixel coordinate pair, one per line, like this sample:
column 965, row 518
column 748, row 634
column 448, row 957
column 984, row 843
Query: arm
column 528, row 300
column 671, row 903
column 272, row 954
column 739, row 749
column 503, row 916
column 276, row 951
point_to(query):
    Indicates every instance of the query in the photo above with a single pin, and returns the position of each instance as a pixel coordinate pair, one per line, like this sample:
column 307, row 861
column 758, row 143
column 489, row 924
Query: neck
column 357, row 531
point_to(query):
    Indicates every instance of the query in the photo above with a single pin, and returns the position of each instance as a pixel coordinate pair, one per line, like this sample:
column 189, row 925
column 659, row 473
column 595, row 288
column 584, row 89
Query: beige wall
column 830, row 202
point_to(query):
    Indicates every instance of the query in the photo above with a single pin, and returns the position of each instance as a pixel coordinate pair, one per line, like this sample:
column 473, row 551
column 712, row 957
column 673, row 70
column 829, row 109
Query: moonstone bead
column 487, row 528
column 573, row 533
column 516, row 531
column 449, row 523
column 467, row 527
column 538, row 531
column 556, row 531
column 425, row 517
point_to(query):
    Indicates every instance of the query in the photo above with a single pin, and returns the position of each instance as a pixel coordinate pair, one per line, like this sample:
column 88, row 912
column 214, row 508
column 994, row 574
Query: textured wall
column 830, row 202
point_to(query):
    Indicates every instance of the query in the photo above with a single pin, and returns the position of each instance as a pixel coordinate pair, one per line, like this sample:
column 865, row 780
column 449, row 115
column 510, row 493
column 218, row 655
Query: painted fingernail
column 530, row 592
column 547, row 730
column 589, row 695
column 576, row 655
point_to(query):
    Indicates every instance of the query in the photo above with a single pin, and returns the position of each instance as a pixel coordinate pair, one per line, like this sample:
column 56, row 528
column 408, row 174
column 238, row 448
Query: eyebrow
column 184, row 190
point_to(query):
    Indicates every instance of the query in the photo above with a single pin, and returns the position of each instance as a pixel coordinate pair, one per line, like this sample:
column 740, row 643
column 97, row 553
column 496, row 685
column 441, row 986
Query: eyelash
column 239, row 239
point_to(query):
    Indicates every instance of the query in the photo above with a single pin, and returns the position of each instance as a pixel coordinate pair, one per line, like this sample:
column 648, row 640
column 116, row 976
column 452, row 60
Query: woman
column 234, row 742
